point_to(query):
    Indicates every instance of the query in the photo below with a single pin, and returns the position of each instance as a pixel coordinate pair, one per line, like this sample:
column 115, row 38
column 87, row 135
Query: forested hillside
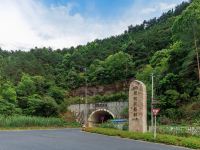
column 38, row 82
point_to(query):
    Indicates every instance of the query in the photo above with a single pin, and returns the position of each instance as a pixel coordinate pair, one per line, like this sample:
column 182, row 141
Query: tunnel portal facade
column 98, row 112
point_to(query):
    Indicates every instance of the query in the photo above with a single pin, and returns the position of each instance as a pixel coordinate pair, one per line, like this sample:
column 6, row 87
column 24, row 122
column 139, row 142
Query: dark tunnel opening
column 100, row 116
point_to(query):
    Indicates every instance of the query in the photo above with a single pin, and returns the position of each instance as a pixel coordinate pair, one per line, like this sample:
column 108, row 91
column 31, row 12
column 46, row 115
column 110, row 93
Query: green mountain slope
column 166, row 46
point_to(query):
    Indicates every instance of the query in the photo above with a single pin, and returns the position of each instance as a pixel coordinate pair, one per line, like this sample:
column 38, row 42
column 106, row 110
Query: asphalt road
column 71, row 139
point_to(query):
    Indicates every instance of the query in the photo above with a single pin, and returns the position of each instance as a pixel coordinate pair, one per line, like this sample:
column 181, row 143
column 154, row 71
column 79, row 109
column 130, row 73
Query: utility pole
column 196, row 48
column 197, row 55
column 152, row 98
column 86, row 103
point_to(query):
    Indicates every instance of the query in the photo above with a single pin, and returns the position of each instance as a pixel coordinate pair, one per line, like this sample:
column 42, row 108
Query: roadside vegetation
column 28, row 122
column 114, row 97
column 178, row 130
column 190, row 142
column 37, row 83
column 173, row 129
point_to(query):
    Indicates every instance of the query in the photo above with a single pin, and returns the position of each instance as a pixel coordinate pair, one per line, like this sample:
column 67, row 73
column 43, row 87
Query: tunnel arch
column 99, row 116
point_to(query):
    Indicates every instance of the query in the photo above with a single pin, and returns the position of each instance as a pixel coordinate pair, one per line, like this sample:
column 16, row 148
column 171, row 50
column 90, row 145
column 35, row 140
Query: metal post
column 152, row 99
column 155, row 128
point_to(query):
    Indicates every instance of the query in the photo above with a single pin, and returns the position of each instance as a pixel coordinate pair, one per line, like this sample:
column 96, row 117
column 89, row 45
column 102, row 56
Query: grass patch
column 33, row 122
column 186, row 131
column 190, row 142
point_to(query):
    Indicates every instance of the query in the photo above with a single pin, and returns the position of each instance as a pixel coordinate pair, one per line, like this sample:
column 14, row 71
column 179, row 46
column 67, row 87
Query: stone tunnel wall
column 115, row 107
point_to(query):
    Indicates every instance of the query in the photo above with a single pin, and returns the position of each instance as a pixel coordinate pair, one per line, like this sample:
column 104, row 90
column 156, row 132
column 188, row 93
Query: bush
column 57, row 93
column 121, row 96
column 7, row 108
column 8, row 93
column 125, row 126
column 38, row 107
column 50, row 107
column 63, row 107
column 107, row 124
column 189, row 142
column 185, row 131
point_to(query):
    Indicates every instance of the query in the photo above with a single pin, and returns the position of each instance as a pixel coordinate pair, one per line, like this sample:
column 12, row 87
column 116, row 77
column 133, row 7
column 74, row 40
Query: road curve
column 71, row 139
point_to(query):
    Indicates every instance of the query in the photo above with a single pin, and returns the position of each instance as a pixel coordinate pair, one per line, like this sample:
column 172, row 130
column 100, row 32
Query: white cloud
column 29, row 23
column 166, row 6
column 158, row 7
column 148, row 10
column 26, row 24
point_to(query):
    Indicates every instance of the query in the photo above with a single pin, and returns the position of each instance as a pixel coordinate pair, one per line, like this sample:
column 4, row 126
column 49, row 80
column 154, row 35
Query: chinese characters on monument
column 137, row 107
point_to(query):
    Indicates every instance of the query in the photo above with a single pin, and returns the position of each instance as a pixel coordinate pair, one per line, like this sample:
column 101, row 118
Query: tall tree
column 187, row 29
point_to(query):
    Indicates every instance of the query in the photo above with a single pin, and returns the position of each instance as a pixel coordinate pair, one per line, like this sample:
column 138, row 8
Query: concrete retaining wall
column 115, row 107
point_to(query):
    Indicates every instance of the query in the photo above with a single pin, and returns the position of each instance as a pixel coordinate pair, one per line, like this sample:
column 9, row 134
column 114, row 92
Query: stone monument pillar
column 137, row 107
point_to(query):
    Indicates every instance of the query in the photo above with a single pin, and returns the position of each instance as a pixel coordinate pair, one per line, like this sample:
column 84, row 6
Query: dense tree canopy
column 38, row 82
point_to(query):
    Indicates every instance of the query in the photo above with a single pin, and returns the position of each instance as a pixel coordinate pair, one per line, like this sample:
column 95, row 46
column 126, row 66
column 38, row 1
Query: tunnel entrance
column 99, row 116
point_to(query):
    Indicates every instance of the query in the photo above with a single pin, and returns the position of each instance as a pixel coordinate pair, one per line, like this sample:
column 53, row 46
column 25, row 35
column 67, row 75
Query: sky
column 26, row 24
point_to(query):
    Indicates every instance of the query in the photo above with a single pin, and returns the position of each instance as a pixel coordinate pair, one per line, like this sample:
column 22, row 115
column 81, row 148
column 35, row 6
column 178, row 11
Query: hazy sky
column 64, row 23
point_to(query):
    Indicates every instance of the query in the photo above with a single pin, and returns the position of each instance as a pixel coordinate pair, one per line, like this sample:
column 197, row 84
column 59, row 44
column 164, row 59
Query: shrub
column 180, row 130
column 121, row 96
column 63, row 107
column 38, row 107
column 7, row 108
column 57, row 93
column 107, row 124
column 8, row 93
column 189, row 142
column 125, row 126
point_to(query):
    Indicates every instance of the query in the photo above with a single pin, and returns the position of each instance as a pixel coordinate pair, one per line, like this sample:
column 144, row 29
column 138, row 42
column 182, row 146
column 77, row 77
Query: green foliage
column 190, row 142
column 27, row 121
column 159, row 61
column 107, row 124
column 197, row 92
column 63, row 107
column 57, row 93
column 8, row 93
column 7, row 108
column 111, row 68
column 73, row 80
column 184, row 131
column 171, row 98
column 186, row 25
column 40, row 84
column 125, row 126
column 26, row 86
column 120, row 97
column 41, row 107
column 144, row 74
column 186, row 28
